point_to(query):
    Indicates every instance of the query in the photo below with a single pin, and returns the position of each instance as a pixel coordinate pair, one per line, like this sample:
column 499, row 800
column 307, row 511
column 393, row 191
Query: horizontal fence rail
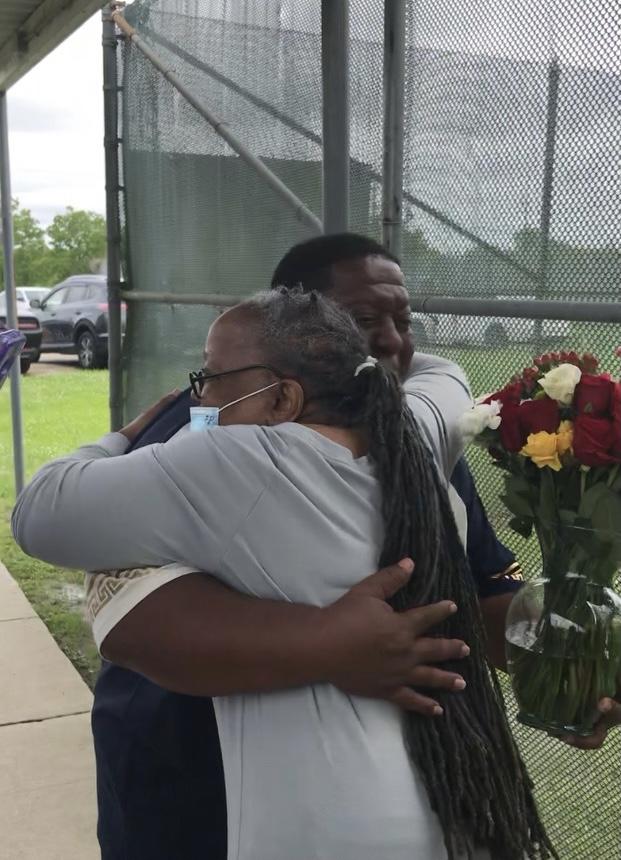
column 605, row 312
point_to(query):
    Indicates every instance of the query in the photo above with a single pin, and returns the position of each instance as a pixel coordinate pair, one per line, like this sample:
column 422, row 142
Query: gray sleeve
column 438, row 394
column 177, row 502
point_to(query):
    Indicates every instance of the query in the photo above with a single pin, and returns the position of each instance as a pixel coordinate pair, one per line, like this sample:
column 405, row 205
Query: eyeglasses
column 198, row 379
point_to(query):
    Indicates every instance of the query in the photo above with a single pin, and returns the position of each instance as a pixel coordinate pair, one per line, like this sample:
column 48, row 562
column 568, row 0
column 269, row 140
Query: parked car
column 74, row 318
column 458, row 330
column 29, row 325
column 25, row 295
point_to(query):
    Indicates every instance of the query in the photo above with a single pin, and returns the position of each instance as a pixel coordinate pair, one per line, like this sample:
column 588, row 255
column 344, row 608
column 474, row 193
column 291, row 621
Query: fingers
column 610, row 710
column 157, row 407
column 167, row 398
column 410, row 700
column 438, row 679
column 436, row 650
column 422, row 618
column 593, row 742
column 386, row 582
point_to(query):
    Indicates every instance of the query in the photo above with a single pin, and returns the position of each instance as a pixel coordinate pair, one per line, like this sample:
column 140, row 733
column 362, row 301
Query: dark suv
column 74, row 318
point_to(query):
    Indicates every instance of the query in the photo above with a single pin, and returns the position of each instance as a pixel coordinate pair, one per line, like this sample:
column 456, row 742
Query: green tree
column 31, row 254
column 77, row 242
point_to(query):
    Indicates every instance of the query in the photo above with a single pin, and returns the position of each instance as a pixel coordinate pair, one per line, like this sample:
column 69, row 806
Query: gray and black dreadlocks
column 476, row 781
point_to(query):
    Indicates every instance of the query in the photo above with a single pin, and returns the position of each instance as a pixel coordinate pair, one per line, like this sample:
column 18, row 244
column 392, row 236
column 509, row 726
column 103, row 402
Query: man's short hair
column 308, row 264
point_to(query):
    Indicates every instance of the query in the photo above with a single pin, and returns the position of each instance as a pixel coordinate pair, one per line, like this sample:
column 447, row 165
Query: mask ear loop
column 246, row 396
column 370, row 362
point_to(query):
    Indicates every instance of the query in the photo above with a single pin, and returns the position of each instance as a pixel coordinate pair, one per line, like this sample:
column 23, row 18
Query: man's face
column 372, row 290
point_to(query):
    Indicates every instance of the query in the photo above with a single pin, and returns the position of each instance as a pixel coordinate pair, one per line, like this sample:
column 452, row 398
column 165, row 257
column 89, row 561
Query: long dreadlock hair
column 476, row 781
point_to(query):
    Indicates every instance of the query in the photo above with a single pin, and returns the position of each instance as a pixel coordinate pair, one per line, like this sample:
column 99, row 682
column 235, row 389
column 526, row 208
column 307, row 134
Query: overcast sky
column 56, row 128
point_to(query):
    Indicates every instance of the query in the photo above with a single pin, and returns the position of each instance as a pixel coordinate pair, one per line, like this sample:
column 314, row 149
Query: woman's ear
column 288, row 403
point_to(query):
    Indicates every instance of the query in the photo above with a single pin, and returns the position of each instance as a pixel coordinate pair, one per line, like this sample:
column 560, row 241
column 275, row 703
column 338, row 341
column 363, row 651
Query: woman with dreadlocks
column 318, row 457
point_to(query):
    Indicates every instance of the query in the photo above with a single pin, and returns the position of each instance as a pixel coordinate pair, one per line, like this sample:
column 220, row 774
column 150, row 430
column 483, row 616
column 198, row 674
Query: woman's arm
column 177, row 502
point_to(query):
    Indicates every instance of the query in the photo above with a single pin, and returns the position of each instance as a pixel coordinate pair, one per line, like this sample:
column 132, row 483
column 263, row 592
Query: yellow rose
column 565, row 437
column 541, row 448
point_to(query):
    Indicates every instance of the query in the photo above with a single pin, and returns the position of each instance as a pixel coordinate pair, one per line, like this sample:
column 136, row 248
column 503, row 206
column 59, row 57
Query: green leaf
column 522, row 525
column 547, row 509
column 518, row 484
column 606, row 515
column 518, row 505
column 591, row 499
column 567, row 517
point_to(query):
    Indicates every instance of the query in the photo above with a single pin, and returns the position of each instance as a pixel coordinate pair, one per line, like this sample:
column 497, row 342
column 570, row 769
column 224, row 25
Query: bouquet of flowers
column 555, row 430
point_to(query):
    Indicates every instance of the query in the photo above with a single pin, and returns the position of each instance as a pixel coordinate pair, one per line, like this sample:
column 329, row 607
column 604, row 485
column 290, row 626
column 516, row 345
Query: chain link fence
column 511, row 190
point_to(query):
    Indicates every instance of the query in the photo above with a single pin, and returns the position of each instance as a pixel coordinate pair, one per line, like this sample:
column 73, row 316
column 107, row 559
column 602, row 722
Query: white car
column 25, row 295
column 457, row 330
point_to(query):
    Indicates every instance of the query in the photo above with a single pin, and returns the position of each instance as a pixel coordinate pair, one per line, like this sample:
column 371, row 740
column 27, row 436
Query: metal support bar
column 335, row 88
column 601, row 312
column 113, row 226
column 9, row 287
column 301, row 212
column 394, row 84
column 211, row 300
column 524, row 308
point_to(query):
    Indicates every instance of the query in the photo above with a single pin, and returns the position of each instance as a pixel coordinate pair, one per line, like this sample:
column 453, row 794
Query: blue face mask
column 209, row 416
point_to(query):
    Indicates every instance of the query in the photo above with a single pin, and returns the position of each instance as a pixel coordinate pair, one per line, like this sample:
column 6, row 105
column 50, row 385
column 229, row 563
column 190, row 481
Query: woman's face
column 231, row 346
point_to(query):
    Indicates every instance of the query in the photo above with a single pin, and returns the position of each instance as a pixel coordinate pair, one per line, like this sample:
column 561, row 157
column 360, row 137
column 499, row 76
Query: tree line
column 74, row 243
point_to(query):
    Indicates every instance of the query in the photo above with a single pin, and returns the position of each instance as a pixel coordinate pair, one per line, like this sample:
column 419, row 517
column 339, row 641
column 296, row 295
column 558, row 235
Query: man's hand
column 371, row 650
column 610, row 710
column 135, row 427
column 196, row 636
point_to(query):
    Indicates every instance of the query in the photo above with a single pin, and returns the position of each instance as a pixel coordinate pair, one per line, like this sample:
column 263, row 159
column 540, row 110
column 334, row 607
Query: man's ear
column 288, row 402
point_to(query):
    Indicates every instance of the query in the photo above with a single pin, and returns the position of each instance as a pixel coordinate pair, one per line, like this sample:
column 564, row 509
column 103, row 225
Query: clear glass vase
column 563, row 636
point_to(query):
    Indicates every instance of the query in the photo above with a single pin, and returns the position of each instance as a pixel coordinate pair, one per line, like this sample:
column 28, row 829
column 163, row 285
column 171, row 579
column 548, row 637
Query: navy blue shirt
column 160, row 780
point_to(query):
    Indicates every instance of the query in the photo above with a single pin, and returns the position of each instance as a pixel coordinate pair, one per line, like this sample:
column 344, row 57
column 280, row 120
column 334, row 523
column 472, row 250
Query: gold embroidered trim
column 101, row 587
column 514, row 571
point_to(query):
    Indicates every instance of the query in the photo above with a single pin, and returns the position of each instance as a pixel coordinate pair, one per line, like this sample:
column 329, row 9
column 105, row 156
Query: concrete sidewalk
column 47, row 772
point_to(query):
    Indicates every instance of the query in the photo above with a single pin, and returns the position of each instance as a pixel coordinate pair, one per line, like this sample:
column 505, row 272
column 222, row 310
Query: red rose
column 509, row 394
column 593, row 393
column 589, row 362
column 511, row 431
column 594, row 440
column 540, row 414
column 616, row 419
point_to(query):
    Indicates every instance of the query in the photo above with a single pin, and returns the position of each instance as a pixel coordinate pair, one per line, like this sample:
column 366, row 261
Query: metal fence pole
column 548, row 173
column 335, row 88
column 545, row 218
column 394, row 84
column 9, row 287
column 113, row 227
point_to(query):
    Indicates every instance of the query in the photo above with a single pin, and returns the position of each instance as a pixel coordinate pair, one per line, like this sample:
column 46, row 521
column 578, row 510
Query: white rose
column 479, row 418
column 560, row 382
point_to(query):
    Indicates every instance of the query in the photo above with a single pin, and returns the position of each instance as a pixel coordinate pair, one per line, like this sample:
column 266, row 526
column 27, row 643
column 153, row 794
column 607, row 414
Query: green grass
column 60, row 412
